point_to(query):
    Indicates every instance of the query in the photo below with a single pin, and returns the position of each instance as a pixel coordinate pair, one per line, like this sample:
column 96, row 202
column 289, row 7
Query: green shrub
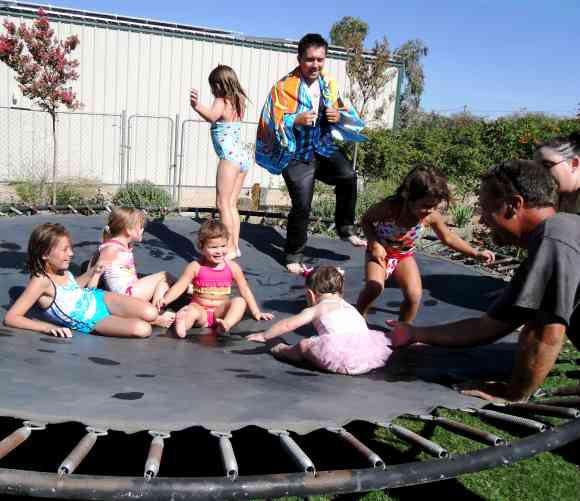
column 142, row 194
column 73, row 191
column 462, row 214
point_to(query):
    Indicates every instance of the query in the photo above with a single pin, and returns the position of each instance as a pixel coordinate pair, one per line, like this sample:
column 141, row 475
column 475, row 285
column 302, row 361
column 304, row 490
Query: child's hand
column 378, row 252
column 485, row 255
column 60, row 331
column 263, row 316
column 256, row 338
column 193, row 98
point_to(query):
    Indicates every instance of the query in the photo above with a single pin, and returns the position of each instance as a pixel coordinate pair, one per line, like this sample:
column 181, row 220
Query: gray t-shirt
column 546, row 286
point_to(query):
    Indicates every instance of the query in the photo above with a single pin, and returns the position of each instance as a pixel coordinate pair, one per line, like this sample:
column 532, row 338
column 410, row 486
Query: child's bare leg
column 130, row 307
column 293, row 353
column 409, row 280
column 186, row 317
column 239, row 182
column 225, row 182
column 116, row 326
column 145, row 287
column 231, row 315
column 374, row 285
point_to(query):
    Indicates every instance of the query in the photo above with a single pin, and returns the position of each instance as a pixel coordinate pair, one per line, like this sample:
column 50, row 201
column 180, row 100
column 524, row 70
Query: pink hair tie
column 307, row 272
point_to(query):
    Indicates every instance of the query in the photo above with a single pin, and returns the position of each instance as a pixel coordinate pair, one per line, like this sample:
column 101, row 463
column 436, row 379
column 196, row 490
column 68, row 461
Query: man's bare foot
column 165, row 319
column 222, row 326
column 295, row 268
column 356, row 241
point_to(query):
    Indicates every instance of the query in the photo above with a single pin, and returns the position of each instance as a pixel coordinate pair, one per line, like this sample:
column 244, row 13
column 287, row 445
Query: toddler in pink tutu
column 344, row 344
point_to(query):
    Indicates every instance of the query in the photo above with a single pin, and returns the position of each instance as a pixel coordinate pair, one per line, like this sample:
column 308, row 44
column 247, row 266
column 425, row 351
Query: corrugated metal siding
column 151, row 74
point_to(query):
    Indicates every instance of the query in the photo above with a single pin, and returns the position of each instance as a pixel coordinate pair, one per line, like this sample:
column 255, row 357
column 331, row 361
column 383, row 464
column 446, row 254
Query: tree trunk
column 54, row 152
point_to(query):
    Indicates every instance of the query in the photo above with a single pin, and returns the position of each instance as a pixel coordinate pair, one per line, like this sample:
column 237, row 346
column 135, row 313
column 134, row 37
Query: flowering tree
column 43, row 69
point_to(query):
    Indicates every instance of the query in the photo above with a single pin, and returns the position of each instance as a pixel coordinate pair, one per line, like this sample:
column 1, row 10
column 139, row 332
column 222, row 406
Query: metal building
column 136, row 122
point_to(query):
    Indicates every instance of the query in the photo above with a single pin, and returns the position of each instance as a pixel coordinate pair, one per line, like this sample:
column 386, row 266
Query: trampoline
column 160, row 387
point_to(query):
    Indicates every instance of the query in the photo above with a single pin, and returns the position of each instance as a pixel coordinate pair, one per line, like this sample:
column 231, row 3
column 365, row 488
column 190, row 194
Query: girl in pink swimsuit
column 212, row 277
column 125, row 227
column 344, row 344
column 392, row 228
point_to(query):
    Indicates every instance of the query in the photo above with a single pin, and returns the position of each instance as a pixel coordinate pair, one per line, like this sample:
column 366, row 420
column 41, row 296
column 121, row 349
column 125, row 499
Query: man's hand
column 332, row 115
column 256, row 338
column 308, row 119
column 400, row 334
column 492, row 391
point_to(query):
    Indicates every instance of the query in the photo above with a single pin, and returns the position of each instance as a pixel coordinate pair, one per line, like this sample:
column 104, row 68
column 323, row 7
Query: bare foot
column 165, row 319
column 278, row 348
column 356, row 241
column 179, row 324
column 222, row 326
column 295, row 268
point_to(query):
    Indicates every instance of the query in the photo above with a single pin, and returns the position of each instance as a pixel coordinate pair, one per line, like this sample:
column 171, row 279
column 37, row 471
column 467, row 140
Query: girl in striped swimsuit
column 212, row 277
column 124, row 227
column 392, row 228
column 69, row 304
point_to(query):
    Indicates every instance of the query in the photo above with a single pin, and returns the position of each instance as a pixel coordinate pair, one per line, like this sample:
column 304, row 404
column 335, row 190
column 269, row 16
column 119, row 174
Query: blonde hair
column 122, row 219
column 224, row 82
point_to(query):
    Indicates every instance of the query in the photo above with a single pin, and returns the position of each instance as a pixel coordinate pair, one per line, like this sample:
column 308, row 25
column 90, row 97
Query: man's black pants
column 300, row 177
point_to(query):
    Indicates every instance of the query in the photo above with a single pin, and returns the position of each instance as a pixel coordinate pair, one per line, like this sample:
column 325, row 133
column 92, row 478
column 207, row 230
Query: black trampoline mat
column 227, row 383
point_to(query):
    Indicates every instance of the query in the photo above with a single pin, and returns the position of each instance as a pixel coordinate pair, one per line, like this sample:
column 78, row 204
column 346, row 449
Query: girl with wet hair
column 68, row 303
column 561, row 156
column 124, row 228
column 344, row 344
column 393, row 227
column 225, row 115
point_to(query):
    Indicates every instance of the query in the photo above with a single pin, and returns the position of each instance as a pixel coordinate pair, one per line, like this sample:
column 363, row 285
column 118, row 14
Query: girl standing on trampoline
column 344, row 344
column 225, row 116
column 125, row 227
column 72, row 304
column 393, row 226
column 212, row 279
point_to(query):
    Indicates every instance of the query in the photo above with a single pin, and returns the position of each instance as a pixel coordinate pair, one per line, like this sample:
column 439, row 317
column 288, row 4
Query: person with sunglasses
column 518, row 201
column 561, row 156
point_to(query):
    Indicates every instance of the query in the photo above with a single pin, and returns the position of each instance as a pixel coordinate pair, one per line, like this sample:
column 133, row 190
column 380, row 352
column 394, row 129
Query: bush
column 142, row 194
column 74, row 191
column 463, row 146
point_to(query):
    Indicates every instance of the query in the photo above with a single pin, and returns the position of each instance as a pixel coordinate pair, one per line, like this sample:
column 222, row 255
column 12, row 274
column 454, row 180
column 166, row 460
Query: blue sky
column 489, row 55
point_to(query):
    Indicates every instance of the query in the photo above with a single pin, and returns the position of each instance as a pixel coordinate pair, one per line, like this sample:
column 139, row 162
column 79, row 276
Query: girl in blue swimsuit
column 69, row 304
column 235, row 159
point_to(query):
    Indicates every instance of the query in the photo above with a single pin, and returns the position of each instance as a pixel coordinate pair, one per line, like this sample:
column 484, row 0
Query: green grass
column 547, row 476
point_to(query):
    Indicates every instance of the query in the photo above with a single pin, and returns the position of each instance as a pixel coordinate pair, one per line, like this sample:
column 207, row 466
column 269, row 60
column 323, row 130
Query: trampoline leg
column 294, row 450
column 153, row 462
column 415, row 439
column 373, row 458
column 18, row 436
column 72, row 461
column 228, row 456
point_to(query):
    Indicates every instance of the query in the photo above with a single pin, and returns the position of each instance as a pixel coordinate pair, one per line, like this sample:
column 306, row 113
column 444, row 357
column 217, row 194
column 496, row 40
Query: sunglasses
column 549, row 164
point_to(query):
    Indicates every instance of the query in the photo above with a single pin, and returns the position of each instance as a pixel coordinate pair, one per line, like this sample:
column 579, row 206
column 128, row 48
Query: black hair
column 311, row 40
column 423, row 181
column 526, row 178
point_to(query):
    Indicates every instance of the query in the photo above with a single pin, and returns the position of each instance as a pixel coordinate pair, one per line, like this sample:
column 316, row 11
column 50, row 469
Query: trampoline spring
column 153, row 462
column 228, row 456
column 17, row 437
column 510, row 419
column 17, row 211
column 72, row 209
column 544, row 410
column 466, row 430
column 294, row 450
column 563, row 402
column 76, row 456
column 569, row 390
column 415, row 439
column 373, row 458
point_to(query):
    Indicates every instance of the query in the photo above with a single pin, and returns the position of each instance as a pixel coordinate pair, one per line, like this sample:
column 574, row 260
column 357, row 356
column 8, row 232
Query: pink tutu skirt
column 350, row 354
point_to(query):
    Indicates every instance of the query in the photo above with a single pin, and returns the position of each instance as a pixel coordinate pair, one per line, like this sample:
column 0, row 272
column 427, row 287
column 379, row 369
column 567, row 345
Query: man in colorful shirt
column 300, row 120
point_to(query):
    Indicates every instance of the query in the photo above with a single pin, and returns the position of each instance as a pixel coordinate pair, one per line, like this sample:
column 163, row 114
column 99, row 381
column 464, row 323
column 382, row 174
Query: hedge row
column 462, row 146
